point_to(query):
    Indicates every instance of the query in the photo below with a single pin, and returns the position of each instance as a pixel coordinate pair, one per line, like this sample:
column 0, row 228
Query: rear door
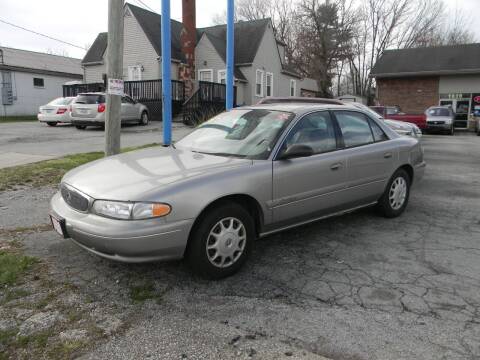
column 309, row 187
column 370, row 156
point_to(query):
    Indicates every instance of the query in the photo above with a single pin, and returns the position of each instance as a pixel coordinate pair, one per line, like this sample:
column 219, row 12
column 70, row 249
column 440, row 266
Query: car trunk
column 87, row 105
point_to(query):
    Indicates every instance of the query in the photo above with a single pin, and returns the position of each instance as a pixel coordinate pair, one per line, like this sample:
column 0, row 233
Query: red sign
column 477, row 99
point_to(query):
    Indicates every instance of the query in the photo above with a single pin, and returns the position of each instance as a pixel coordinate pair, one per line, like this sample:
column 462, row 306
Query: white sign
column 115, row 87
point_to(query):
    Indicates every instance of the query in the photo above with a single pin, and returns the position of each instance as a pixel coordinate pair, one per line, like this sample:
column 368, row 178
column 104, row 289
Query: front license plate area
column 59, row 226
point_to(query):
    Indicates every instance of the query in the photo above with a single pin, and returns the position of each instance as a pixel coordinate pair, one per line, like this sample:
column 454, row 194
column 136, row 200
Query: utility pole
column 114, row 72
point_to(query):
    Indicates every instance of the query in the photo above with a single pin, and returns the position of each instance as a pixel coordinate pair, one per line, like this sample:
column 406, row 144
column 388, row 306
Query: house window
column 222, row 76
column 269, row 84
column 293, row 87
column 205, row 75
column 135, row 73
column 259, row 83
column 38, row 82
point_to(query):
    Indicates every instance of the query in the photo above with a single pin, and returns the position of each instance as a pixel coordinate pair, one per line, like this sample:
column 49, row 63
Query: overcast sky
column 79, row 22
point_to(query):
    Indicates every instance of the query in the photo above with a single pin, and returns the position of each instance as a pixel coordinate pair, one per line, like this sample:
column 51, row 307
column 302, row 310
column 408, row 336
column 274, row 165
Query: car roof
column 92, row 93
column 297, row 99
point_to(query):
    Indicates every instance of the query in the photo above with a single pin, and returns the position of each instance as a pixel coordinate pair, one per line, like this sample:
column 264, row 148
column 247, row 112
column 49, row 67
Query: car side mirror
column 296, row 151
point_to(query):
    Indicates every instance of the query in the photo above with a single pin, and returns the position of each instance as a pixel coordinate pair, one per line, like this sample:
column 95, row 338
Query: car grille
column 436, row 122
column 74, row 198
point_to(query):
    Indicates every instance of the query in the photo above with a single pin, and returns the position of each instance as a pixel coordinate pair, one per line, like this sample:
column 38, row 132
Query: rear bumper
column 87, row 122
column 53, row 118
column 120, row 240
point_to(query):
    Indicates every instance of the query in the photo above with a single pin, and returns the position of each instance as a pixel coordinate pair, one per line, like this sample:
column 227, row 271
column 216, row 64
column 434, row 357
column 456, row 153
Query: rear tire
column 221, row 241
column 80, row 127
column 52, row 123
column 144, row 119
column 395, row 198
column 452, row 131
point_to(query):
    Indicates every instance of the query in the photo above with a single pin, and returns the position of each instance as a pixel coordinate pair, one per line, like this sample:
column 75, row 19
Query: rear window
column 438, row 112
column 61, row 101
column 90, row 99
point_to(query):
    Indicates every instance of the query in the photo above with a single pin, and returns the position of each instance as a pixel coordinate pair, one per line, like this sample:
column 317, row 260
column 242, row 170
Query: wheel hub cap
column 226, row 242
column 397, row 193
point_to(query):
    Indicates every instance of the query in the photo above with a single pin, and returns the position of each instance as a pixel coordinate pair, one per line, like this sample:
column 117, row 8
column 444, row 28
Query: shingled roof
column 248, row 35
column 441, row 60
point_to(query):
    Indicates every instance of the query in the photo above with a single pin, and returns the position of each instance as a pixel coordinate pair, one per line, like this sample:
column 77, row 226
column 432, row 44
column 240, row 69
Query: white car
column 400, row 127
column 88, row 109
column 56, row 111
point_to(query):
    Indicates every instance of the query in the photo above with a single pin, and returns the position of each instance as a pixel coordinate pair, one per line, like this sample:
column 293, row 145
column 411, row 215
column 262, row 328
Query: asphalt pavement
column 353, row 287
column 28, row 142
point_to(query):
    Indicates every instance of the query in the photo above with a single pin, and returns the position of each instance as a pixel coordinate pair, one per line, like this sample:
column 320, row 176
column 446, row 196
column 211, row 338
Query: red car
column 394, row 113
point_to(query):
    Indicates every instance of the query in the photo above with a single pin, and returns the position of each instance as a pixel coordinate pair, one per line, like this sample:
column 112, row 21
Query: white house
column 31, row 79
column 260, row 66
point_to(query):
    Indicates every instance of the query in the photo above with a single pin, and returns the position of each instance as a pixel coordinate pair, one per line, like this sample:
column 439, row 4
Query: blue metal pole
column 166, row 74
column 230, row 53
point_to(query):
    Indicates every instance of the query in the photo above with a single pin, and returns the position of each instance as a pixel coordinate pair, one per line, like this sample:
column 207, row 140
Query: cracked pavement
column 353, row 287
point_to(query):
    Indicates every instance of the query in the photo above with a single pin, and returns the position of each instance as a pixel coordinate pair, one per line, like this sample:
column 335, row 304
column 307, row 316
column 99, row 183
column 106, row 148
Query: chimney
column 188, row 40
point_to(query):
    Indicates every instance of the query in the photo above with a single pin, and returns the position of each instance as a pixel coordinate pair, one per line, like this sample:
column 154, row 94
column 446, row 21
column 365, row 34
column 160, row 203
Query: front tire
column 221, row 241
column 52, row 123
column 80, row 127
column 395, row 198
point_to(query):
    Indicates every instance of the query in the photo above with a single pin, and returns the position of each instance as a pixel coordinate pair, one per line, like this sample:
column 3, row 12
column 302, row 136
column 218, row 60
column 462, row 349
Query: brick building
column 415, row 79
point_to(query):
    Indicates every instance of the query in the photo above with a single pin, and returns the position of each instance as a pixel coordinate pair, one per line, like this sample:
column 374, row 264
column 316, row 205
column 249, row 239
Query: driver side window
column 315, row 130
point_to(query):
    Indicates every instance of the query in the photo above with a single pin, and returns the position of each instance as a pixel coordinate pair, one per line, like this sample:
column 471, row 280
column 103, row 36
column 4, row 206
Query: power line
column 40, row 34
column 142, row 3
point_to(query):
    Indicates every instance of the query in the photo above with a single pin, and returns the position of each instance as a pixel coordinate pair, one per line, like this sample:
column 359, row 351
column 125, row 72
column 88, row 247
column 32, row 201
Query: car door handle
column 387, row 155
column 336, row 166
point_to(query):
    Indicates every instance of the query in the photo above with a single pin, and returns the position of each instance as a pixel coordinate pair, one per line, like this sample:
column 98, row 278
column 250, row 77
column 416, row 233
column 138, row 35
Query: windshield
column 61, row 101
column 438, row 112
column 249, row 134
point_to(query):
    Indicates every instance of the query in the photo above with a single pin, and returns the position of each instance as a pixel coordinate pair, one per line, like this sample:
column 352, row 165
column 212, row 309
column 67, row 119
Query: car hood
column 399, row 124
column 128, row 176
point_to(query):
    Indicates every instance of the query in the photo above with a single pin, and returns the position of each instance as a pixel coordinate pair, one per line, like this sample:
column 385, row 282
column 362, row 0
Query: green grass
column 49, row 172
column 10, row 119
column 12, row 266
column 140, row 293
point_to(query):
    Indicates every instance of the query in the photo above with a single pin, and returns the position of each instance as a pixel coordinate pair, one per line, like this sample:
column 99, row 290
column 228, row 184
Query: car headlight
column 130, row 210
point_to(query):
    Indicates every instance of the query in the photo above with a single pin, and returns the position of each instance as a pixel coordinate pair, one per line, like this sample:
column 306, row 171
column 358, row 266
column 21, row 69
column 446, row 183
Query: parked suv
column 88, row 109
column 440, row 118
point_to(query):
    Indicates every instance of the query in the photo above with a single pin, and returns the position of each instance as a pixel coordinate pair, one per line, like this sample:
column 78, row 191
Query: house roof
column 96, row 51
column 248, row 35
column 31, row 61
column 454, row 59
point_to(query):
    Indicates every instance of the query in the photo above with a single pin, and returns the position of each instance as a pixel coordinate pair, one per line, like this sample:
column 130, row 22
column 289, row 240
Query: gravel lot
column 352, row 287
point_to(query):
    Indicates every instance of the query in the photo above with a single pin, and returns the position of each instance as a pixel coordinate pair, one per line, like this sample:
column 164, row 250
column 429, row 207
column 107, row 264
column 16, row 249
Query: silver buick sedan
column 244, row 174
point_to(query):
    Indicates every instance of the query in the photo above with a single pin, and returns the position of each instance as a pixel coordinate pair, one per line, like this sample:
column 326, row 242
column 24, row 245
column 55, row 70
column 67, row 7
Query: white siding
column 138, row 50
column 28, row 98
column 459, row 84
column 206, row 57
column 94, row 73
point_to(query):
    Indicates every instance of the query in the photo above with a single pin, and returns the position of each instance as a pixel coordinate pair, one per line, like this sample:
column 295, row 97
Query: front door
column 311, row 186
column 461, row 113
column 370, row 157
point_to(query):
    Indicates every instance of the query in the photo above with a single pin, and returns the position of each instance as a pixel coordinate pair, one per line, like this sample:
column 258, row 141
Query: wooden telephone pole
column 114, row 71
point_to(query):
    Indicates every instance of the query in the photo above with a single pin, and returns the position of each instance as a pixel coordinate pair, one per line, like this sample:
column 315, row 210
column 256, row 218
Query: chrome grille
column 74, row 198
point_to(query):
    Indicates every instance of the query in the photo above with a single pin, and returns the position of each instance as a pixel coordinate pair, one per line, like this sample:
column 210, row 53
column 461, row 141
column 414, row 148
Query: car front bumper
column 439, row 127
column 132, row 241
column 419, row 171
